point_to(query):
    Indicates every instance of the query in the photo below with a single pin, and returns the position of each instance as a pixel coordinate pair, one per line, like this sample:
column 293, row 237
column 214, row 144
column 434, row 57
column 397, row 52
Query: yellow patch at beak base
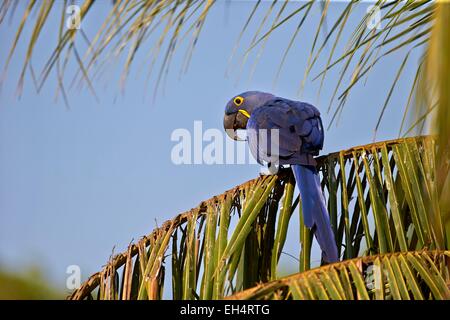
column 245, row 113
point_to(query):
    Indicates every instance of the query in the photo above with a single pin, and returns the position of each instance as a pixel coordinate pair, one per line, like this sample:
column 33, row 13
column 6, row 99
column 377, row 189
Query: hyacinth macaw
column 300, row 137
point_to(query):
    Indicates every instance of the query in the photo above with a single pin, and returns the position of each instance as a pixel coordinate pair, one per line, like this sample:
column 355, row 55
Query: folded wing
column 300, row 132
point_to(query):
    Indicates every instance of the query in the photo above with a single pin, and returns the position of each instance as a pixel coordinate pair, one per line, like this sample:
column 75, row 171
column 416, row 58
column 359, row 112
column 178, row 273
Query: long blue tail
column 315, row 211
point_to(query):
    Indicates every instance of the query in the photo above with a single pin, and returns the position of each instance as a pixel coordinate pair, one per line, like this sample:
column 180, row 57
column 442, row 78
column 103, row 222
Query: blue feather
column 315, row 213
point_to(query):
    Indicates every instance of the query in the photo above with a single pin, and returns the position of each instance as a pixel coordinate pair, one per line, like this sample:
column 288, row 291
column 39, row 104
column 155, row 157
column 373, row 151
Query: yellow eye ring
column 238, row 101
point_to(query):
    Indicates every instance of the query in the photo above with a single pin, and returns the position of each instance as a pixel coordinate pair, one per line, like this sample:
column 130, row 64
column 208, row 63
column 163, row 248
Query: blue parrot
column 300, row 137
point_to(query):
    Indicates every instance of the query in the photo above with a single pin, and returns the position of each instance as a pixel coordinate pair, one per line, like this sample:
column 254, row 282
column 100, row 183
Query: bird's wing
column 299, row 128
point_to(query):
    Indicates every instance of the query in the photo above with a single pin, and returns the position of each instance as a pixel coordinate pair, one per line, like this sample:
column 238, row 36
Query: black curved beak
column 233, row 122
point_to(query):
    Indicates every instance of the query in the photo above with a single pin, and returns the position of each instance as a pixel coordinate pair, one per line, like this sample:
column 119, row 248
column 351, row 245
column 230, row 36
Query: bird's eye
column 238, row 101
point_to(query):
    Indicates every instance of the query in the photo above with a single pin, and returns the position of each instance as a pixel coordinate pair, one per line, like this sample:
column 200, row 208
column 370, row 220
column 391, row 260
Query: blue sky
column 74, row 183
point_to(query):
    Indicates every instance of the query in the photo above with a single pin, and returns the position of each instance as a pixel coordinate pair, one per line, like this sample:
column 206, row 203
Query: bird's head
column 239, row 109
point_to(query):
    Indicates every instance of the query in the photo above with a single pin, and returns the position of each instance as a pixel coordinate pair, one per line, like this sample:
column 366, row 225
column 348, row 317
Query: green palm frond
column 129, row 23
column 417, row 275
column 406, row 26
column 433, row 98
column 381, row 200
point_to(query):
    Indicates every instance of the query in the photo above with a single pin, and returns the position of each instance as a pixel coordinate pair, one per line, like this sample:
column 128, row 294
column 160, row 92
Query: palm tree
column 388, row 201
